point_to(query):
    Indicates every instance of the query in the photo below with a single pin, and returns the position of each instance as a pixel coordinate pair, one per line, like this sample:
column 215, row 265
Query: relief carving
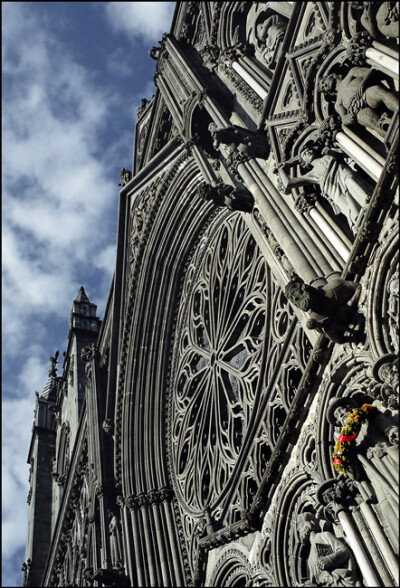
column 374, row 457
column 362, row 97
column 226, row 195
column 380, row 19
column 269, row 33
column 331, row 307
column 344, row 189
column 330, row 562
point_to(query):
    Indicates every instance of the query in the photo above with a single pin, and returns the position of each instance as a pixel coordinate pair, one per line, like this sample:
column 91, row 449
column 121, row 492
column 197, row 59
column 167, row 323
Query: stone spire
column 82, row 296
column 83, row 314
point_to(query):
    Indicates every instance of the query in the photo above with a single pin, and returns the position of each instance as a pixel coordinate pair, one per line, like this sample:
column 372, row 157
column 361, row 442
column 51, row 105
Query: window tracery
column 239, row 357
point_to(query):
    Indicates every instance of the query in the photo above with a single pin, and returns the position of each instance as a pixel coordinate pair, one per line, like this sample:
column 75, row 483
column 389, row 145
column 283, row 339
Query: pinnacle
column 51, row 382
column 82, row 296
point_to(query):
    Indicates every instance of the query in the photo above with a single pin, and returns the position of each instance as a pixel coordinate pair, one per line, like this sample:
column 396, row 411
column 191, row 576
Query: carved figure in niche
column 239, row 139
column 340, row 185
column 361, row 97
column 386, row 372
column 380, row 19
column 331, row 306
column 115, row 542
column 225, row 195
column 330, row 561
column 375, row 459
column 269, row 32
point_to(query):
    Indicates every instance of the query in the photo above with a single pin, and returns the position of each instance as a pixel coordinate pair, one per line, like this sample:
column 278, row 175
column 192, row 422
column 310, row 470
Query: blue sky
column 73, row 75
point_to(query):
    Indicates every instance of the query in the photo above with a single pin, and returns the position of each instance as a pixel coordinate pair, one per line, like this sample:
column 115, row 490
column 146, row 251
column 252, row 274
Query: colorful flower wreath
column 348, row 434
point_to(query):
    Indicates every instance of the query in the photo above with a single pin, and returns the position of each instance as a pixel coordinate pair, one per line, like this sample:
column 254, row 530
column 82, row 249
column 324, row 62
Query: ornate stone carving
column 241, row 140
column 361, row 97
column 108, row 426
column 305, row 202
column 330, row 562
column 26, row 569
column 376, row 460
column 116, row 552
column 226, row 195
column 270, row 31
column 210, row 55
column 331, row 306
column 126, row 176
column 143, row 104
column 380, row 19
column 339, row 184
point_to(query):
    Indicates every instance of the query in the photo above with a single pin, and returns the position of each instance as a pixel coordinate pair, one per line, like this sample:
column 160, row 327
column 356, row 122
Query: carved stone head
column 328, row 84
column 299, row 293
column 306, row 523
column 339, row 409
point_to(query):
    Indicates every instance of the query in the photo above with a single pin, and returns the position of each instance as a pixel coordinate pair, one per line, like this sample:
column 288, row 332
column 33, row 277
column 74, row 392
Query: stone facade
column 189, row 440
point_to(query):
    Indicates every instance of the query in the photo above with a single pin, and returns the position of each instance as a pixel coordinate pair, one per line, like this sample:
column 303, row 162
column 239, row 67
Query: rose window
column 220, row 330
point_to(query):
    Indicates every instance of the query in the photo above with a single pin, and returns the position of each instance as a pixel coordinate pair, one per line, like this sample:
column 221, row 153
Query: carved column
column 357, row 151
column 173, row 544
column 358, row 550
column 307, row 204
column 139, row 567
column 127, row 538
column 303, row 253
column 236, row 64
column 332, row 493
column 382, row 61
column 390, row 558
column 363, row 49
column 246, row 76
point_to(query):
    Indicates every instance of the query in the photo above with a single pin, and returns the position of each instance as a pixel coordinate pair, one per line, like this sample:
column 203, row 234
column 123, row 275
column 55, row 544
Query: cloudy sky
column 74, row 74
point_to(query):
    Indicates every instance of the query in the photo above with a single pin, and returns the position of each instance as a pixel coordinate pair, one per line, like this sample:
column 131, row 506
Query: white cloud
column 148, row 20
column 59, row 212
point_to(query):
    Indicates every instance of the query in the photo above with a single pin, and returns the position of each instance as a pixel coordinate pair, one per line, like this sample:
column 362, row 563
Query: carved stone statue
column 269, row 32
column 330, row 561
column 54, row 362
column 331, row 306
column 380, row 19
column 226, row 195
column 386, row 372
column 360, row 96
column 344, row 189
column 126, row 176
column 143, row 103
column 115, row 542
column 252, row 143
column 375, row 457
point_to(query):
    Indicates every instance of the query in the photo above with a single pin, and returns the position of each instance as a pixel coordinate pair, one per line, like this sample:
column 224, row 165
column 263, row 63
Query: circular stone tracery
column 220, row 327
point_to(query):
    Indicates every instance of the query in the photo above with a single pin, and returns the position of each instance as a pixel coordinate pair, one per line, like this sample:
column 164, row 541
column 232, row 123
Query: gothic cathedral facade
column 233, row 419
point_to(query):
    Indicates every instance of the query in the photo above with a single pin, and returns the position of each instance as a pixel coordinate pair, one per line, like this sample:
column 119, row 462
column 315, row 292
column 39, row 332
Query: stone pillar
column 321, row 222
column 358, row 550
column 146, row 537
column 307, row 204
column 127, row 539
column 169, row 518
column 370, row 544
column 302, row 251
column 392, row 561
column 249, row 79
column 382, row 61
column 165, row 572
column 140, row 568
column 366, row 161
